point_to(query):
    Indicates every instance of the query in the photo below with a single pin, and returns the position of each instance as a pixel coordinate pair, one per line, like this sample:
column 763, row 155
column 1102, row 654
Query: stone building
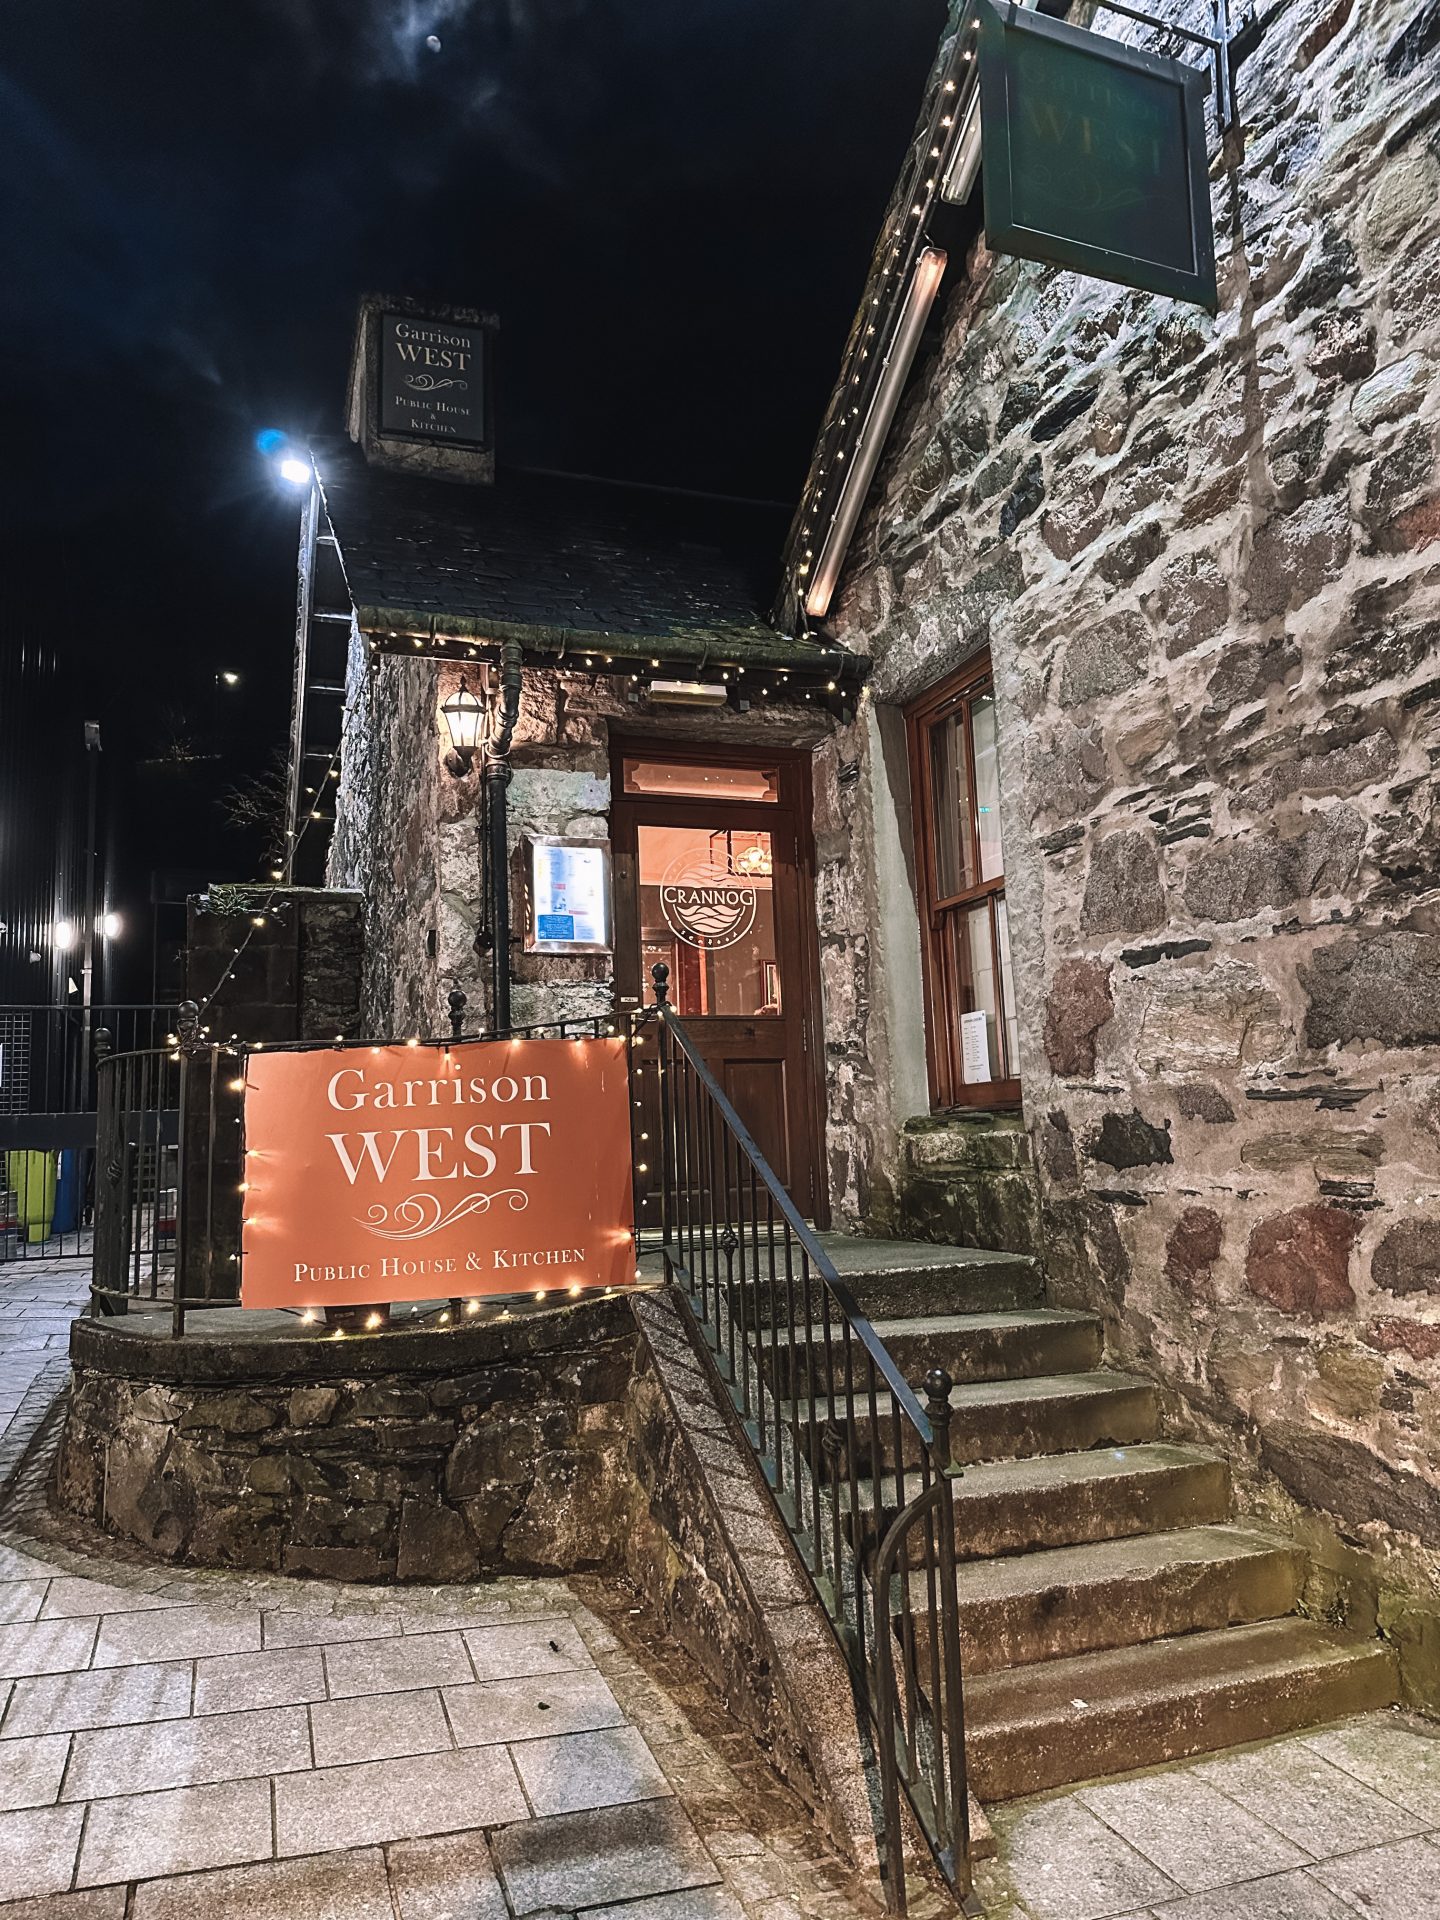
column 1181, row 575
column 1065, row 886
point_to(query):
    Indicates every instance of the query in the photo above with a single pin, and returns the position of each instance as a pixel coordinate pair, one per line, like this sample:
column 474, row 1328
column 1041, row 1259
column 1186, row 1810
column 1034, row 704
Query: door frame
column 794, row 765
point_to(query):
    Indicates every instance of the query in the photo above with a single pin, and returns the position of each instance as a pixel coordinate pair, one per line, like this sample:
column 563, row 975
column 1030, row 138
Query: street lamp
column 466, row 719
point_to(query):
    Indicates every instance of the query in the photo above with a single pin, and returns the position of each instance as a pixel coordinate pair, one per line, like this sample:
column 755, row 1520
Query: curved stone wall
column 434, row 1454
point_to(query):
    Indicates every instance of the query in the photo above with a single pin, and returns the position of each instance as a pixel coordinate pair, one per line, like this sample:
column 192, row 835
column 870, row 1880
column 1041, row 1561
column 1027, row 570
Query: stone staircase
column 1113, row 1612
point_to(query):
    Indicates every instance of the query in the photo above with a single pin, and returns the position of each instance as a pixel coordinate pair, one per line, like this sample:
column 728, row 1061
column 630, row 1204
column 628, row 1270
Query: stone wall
column 1206, row 557
column 398, row 1456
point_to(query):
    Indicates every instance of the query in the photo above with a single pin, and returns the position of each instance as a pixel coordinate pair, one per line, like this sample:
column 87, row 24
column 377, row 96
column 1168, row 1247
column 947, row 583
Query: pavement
column 179, row 1743
column 1323, row 1825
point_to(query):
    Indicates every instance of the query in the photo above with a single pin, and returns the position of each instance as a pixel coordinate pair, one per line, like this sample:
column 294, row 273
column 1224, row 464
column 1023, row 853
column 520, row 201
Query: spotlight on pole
column 294, row 471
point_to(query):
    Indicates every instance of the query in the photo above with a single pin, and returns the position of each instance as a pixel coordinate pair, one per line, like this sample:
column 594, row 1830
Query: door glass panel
column 707, row 909
column 987, row 787
column 685, row 780
column 950, row 804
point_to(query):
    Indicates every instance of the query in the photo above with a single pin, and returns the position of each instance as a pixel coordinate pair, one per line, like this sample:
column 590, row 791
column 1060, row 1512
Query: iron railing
column 860, row 1471
column 49, row 1083
column 169, row 1156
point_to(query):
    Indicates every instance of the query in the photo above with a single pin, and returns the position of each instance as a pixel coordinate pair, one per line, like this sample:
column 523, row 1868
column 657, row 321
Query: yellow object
column 33, row 1174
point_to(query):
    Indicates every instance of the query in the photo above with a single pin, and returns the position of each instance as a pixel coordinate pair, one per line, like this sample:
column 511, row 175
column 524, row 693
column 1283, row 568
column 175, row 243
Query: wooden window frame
column 948, row 1089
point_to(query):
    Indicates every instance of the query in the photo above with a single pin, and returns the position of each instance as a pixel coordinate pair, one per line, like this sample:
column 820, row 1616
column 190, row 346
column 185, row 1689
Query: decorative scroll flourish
column 427, row 383
column 422, row 1213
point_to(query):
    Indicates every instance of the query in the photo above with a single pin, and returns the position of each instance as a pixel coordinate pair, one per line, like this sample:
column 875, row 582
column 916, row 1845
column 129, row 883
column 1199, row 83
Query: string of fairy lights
column 865, row 358
column 755, row 680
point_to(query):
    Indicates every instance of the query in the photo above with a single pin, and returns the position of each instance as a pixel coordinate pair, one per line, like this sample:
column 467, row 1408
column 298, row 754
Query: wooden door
column 714, row 877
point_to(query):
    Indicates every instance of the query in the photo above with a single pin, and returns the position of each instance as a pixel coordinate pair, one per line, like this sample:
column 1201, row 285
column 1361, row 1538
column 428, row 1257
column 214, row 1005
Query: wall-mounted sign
column 1094, row 155
column 424, row 1173
column 569, row 895
column 706, row 905
column 432, row 381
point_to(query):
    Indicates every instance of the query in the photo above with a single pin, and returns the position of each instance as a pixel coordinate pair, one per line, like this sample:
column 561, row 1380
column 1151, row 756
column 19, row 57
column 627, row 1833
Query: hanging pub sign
column 387, row 1173
column 1094, row 155
column 432, row 381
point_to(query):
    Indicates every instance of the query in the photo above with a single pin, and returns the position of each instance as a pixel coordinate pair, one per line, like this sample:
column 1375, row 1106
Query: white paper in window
column 975, row 1047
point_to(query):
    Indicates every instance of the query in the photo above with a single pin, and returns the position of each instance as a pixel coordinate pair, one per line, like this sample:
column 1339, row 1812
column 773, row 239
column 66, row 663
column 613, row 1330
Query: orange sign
column 421, row 1173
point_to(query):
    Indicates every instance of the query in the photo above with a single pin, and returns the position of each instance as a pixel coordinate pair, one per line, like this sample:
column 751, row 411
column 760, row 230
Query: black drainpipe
column 497, row 779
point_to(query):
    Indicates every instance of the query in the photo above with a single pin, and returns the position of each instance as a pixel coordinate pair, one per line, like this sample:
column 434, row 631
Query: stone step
column 970, row 1346
column 1009, row 1419
column 1115, row 1593
column 890, row 1279
column 1035, row 1727
column 911, row 1279
column 971, row 1146
column 1066, row 1499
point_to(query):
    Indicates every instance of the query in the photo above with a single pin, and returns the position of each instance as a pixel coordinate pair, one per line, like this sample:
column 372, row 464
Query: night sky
column 669, row 203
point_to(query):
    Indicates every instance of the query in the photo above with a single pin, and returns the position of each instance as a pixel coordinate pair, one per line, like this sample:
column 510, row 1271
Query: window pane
column 950, row 804
column 1007, row 991
column 987, row 787
column 707, row 909
column 687, row 780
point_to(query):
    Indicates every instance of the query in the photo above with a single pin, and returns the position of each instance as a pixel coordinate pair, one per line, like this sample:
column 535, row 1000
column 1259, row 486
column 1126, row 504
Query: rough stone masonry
column 1206, row 557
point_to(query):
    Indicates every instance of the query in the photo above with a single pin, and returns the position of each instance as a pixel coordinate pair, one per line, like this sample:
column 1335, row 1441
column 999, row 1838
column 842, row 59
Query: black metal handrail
column 859, row 1470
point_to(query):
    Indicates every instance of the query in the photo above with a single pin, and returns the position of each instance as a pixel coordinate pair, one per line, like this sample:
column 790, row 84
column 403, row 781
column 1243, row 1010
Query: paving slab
column 1396, row 1882
column 694, row 1903
column 31, row 1770
column 1291, row 1788
column 539, row 1646
column 451, row 1877
column 46, row 1646
column 319, row 1629
column 350, row 1886
column 579, row 1770
column 383, row 1726
column 1067, row 1864
column 21, row 1600
column 534, row 1709
column 393, row 1666
column 109, row 1697
column 1192, row 1833
column 395, row 1800
column 1286, row 1896
column 595, row 1859
column 150, row 1835
column 98, row 1903
column 1397, row 1757
column 187, row 1753
column 72, row 1595
column 175, row 1633
column 232, row 1682
column 38, row 1849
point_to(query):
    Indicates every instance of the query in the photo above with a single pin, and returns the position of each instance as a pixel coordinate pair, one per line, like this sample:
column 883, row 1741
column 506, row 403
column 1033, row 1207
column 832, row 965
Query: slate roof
column 560, row 562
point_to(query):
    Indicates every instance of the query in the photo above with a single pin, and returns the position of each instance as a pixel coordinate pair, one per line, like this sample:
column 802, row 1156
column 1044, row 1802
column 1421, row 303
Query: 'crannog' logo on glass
column 432, row 384
column 705, row 906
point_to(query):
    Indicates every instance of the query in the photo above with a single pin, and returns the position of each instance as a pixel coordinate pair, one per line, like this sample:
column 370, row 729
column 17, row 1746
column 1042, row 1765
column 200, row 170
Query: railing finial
column 660, row 974
column 457, row 1012
column 938, row 1386
column 187, row 1026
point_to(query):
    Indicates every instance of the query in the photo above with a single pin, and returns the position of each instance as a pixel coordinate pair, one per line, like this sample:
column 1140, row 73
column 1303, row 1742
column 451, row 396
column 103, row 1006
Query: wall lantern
column 467, row 718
